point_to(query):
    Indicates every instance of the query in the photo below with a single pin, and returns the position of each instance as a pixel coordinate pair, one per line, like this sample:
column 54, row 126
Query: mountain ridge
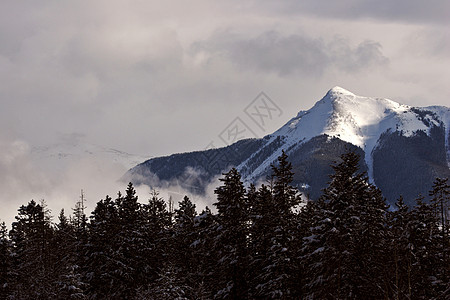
column 330, row 116
column 411, row 138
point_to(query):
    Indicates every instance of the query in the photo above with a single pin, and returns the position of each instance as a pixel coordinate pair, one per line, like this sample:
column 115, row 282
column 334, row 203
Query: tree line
column 263, row 243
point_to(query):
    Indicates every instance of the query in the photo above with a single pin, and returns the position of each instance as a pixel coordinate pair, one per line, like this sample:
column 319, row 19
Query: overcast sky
column 154, row 78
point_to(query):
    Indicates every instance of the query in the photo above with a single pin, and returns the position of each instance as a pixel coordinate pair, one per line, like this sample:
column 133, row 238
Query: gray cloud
column 153, row 78
column 429, row 42
column 365, row 55
column 410, row 11
column 57, row 175
column 291, row 54
column 20, row 180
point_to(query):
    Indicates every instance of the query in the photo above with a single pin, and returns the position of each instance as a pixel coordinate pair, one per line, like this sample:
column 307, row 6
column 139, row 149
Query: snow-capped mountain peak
column 354, row 119
column 338, row 91
column 404, row 148
column 343, row 114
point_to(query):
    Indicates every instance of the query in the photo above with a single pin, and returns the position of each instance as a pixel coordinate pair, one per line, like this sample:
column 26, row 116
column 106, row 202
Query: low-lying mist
column 59, row 180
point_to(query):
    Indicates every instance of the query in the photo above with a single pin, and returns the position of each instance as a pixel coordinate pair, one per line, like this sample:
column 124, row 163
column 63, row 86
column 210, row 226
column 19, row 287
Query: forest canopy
column 263, row 243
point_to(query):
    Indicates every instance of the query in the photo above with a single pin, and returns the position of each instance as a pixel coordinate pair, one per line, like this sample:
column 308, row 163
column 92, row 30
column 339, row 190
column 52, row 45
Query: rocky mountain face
column 403, row 148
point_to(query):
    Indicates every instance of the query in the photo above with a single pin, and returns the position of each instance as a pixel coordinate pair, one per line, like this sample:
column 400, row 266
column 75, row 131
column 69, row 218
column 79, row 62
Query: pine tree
column 280, row 272
column 128, row 245
column 79, row 220
column 99, row 266
column 167, row 286
column 5, row 262
column 78, row 227
column 118, row 248
column 440, row 202
column 313, row 222
column 262, row 232
column 261, row 226
column 157, row 222
column 185, row 214
column 205, row 255
column 400, row 262
column 31, row 236
column 285, row 195
column 426, row 262
column 182, row 264
column 157, row 216
column 70, row 284
column 231, row 242
column 352, row 236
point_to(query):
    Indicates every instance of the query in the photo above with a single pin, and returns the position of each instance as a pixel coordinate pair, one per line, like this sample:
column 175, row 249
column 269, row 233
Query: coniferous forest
column 261, row 244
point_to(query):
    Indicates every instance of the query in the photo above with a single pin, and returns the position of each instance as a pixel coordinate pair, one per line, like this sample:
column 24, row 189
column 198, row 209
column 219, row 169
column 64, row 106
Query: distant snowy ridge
column 404, row 148
column 60, row 154
column 354, row 119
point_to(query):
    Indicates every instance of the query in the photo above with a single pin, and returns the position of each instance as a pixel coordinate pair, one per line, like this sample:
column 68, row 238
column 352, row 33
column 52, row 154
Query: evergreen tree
column 205, row 255
column 231, row 242
column 440, row 201
column 262, row 231
column 285, row 195
column 426, row 263
column 79, row 221
column 371, row 240
column 157, row 216
column 99, row 267
column 129, row 245
column 118, row 248
column 156, row 250
column 5, row 262
column 280, row 272
column 261, row 207
column 185, row 215
column 167, row 286
column 75, row 228
column 313, row 222
column 65, row 248
column 33, row 264
column 349, row 261
column 259, row 245
column 400, row 263
column 183, row 265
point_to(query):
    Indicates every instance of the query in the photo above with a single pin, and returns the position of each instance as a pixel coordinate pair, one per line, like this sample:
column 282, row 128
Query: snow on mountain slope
column 444, row 115
column 354, row 119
